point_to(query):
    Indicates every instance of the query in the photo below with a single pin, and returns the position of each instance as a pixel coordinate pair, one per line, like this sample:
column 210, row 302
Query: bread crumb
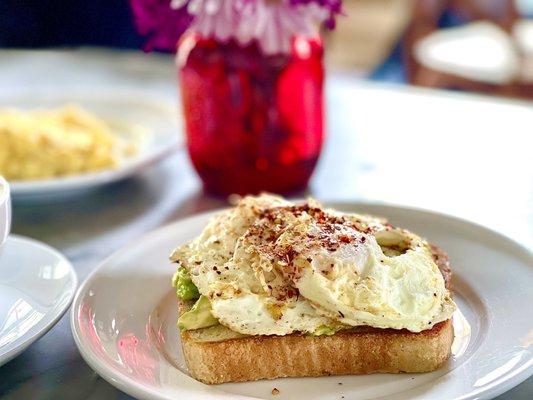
column 275, row 391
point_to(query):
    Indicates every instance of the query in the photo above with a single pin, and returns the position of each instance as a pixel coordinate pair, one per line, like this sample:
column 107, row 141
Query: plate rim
column 17, row 350
column 131, row 387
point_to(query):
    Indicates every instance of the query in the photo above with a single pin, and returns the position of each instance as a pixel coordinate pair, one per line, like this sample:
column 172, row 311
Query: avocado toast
column 239, row 324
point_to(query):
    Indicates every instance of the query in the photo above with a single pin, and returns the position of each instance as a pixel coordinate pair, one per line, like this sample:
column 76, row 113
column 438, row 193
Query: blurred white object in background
column 525, row 7
column 480, row 51
column 523, row 36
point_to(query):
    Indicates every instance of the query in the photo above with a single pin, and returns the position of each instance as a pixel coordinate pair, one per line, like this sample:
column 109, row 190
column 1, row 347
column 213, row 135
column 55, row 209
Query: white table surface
column 460, row 154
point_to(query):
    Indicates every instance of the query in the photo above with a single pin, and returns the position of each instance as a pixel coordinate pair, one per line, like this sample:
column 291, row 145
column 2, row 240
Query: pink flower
column 272, row 23
column 161, row 24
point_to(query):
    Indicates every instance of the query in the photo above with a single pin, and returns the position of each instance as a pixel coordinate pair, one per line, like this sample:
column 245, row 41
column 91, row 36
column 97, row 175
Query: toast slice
column 218, row 355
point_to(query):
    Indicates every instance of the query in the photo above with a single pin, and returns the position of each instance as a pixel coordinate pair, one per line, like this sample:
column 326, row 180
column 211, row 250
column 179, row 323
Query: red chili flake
column 344, row 239
column 363, row 239
column 290, row 254
column 292, row 292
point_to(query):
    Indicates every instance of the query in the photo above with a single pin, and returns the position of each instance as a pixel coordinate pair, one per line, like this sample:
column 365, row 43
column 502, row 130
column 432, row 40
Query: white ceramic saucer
column 37, row 285
column 124, row 321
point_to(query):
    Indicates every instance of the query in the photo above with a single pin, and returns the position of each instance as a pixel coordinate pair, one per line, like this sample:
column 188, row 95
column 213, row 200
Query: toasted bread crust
column 362, row 350
column 347, row 353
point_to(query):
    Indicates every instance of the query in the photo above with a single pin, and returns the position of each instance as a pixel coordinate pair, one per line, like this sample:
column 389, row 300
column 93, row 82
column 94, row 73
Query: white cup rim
column 4, row 194
column 5, row 211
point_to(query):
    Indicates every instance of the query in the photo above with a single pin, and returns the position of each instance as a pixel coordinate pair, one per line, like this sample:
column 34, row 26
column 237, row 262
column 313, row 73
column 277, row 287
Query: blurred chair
column 367, row 33
column 490, row 50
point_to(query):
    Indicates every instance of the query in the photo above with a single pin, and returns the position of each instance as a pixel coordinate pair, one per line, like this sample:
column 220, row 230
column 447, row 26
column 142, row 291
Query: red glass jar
column 254, row 122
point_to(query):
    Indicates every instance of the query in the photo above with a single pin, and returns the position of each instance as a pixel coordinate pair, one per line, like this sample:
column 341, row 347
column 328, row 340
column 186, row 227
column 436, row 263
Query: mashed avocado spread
column 185, row 289
column 324, row 330
column 199, row 316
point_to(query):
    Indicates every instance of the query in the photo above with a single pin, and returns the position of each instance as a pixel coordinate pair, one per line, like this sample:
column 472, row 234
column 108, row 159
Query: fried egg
column 270, row 267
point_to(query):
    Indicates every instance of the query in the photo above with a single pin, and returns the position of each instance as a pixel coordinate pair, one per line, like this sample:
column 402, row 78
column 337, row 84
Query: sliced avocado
column 199, row 316
column 324, row 330
column 185, row 288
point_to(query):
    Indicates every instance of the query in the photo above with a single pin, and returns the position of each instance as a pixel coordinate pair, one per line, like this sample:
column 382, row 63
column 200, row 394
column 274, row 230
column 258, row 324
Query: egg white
column 401, row 292
column 221, row 268
column 343, row 275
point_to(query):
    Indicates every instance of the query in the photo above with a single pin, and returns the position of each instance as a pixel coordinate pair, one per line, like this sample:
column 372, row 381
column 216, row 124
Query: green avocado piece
column 199, row 316
column 185, row 288
column 324, row 330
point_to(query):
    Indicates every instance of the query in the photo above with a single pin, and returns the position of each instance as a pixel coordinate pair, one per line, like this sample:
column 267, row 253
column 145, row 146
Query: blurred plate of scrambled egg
column 63, row 143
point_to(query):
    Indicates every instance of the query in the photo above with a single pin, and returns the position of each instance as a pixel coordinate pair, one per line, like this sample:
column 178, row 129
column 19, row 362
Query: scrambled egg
column 51, row 143
column 270, row 267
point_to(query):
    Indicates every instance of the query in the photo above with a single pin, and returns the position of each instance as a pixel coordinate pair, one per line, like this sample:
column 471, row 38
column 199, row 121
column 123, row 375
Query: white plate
column 37, row 285
column 123, row 320
column 131, row 113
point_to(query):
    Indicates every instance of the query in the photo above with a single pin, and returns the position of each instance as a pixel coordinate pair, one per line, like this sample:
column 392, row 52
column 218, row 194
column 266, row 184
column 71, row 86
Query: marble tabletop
column 460, row 154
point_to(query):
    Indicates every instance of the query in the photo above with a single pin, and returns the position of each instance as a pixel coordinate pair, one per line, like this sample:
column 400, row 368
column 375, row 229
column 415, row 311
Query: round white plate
column 124, row 321
column 37, row 285
column 133, row 114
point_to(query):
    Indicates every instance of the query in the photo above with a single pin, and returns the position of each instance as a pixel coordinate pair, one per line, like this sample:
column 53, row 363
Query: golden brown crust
column 362, row 350
column 346, row 353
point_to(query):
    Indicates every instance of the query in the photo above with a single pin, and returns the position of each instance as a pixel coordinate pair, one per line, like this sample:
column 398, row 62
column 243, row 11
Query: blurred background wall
column 435, row 43
column 52, row 23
